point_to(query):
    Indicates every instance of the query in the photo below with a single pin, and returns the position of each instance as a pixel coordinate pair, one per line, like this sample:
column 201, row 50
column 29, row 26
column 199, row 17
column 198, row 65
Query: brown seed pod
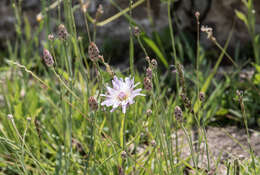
column 92, row 102
column 147, row 84
column 47, row 57
column 93, row 51
column 62, row 32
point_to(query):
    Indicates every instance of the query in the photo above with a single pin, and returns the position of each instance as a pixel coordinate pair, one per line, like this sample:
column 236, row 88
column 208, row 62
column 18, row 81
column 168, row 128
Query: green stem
column 64, row 84
column 190, row 144
column 142, row 46
column 172, row 39
column 123, row 138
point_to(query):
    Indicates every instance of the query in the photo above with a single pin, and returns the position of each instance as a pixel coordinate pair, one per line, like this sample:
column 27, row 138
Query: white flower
column 122, row 94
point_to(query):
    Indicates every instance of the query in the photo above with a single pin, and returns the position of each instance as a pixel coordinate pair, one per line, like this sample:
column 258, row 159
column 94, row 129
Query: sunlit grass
column 52, row 120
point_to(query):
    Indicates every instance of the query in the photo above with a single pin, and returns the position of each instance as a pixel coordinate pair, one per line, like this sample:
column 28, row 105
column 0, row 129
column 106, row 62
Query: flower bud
column 154, row 63
column 99, row 12
column 153, row 143
column 137, row 31
column 85, row 6
column 39, row 17
column 92, row 102
column 197, row 14
column 10, row 116
column 147, row 59
column 149, row 112
column 51, row 37
column 47, row 57
column 123, row 155
column 202, row 96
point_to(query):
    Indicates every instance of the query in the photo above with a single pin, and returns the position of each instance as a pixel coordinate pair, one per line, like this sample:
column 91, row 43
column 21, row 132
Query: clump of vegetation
column 67, row 110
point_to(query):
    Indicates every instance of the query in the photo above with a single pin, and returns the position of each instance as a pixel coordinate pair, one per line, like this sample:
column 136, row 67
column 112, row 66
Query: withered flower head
column 202, row 96
column 137, row 31
column 62, row 32
column 92, row 102
column 51, row 37
column 178, row 113
column 149, row 112
column 93, row 51
column 149, row 73
column 154, row 63
column 147, row 84
column 47, row 57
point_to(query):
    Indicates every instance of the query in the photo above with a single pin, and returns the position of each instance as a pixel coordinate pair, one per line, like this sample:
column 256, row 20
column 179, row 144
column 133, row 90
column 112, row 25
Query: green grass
column 54, row 130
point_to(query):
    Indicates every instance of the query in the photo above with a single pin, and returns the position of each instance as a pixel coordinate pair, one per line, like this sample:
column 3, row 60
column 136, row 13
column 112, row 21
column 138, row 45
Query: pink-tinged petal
column 128, row 82
column 131, row 101
column 116, row 104
column 110, row 90
column 133, row 82
column 107, row 103
column 136, row 84
column 137, row 90
column 116, row 83
column 112, row 110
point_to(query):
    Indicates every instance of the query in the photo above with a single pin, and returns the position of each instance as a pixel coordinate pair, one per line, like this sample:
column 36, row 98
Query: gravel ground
column 225, row 144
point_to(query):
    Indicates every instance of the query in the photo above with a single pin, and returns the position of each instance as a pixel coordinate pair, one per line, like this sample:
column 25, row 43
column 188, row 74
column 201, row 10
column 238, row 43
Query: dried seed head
column 120, row 170
column 80, row 38
column 93, row 51
column 137, row 31
column 186, row 102
column 10, row 116
column 149, row 112
column 202, row 96
column 209, row 32
column 123, row 155
column 51, row 37
column 85, row 6
column 147, row 84
column 147, row 59
column 47, row 57
column 178, row 113
column 149, row 73
column 181, row 76
column 99, row 12
column 100, row 9
column 39, row 17
column 92, row 102
column 153, row 143
column 109, row 70
column 239, row 93
column 154, row 63
column 62, row 32
column 197, row 14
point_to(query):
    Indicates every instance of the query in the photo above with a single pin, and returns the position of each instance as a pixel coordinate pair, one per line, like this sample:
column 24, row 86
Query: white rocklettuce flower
column 122, row 94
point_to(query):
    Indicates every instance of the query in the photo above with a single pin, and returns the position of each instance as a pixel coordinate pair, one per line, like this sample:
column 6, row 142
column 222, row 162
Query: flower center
column 122, row 96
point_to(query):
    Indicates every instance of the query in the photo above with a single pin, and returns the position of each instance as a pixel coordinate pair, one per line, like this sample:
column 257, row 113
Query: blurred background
column 150, row 15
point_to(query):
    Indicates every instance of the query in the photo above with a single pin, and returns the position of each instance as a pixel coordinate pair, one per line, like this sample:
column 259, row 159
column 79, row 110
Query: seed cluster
column 92, row 102
column 93, row 51
column 178, row 113
column 62, row 32
column 147, row 84
column 47, row 57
